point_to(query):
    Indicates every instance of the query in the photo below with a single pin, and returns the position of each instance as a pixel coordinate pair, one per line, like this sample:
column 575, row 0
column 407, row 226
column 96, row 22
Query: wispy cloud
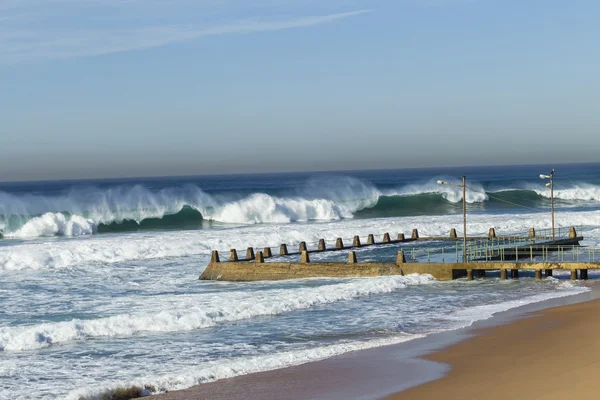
column 57, row 34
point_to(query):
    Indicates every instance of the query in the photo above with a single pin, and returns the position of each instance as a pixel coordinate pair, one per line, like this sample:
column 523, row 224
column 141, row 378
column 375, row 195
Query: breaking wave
column 199, row 312
column 85, row 211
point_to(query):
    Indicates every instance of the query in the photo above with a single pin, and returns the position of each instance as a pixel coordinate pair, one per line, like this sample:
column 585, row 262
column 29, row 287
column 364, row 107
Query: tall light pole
column 551, row 185
column 464, row 201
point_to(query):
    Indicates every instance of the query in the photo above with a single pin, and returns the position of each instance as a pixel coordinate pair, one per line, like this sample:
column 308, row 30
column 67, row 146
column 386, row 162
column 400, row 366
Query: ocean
column 99, row 278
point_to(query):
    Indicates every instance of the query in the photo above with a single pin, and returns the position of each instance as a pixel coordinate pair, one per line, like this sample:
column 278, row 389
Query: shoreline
column 383, row 372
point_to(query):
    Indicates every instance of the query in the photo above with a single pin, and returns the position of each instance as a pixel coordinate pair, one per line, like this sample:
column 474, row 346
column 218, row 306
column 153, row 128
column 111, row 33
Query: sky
column 120, row 88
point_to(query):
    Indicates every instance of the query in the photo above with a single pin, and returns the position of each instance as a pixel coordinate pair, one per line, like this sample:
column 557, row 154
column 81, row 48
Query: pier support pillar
column 302, row 247
column 453, row 233
column 469, row 274
column 214, row 258
column 259, row 257
column 573, row 274
column 548, row 272
column 583, row 273
column 321, row 246
column 304, row 258
column 386, row 238
column 250, row 253
column 503, row 274
column 352, row 257
column 538, row 274
column 401, row 237
column 492, row 233
column 233, row 255
column 356, row 242
column 283, row 251
column 371, row 239
column 415, row 234
column 339, row 243
column 267, row 252
column 400, row 259
column 514, row 273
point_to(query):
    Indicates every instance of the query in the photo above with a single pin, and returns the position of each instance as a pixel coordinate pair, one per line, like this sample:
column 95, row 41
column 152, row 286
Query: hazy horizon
column 137, row 89
column 451, row 168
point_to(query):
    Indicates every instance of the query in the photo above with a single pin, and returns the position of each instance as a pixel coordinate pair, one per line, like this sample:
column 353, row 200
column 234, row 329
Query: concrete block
column 492, row 233
column 214, row 258
column 531, row 233
column 453, row 233
column 304, row 258
column 572, row 233
column 401, row 237
column 283, row 251
column 386, row 238
column 356, row 241
column 339, row 243
column 400, row 259
column 267, row 252
column 371, row 239
column 352, row 257
column 259, row 257
column 321, row 246
column 415, row 234
column 250, row 253
column 302, row 247
column 233, row 257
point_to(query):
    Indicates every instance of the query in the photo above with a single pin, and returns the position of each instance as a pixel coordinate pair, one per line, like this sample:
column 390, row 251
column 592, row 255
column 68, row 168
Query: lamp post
column 464, row 199
column 551, row 185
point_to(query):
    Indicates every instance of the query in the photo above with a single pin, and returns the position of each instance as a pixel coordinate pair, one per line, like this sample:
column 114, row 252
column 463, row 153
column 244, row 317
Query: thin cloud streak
column 25, row 46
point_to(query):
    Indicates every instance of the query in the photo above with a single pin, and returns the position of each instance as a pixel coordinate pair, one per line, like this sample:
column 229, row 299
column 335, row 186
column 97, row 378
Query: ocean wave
column 86, row 211
column 108, row 249
column 222, row 369
column 90, row 210
column 201, row 312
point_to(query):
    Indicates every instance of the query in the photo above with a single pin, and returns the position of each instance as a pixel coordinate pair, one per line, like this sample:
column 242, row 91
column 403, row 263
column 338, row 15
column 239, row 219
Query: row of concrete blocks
column 514, row 274
column 339, row 245
column 304, row 257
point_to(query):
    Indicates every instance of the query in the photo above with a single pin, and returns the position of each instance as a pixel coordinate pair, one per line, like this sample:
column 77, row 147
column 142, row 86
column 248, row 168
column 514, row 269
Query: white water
column 52, row 254
column 199, row 311
column 318, row 200
column 223, row 369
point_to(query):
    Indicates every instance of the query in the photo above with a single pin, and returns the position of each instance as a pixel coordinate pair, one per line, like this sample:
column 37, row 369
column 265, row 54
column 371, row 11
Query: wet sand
column 553, row 354
column 546, row 354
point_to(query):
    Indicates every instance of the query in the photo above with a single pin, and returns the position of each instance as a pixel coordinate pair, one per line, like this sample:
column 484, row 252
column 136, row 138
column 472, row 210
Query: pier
column 509, row 255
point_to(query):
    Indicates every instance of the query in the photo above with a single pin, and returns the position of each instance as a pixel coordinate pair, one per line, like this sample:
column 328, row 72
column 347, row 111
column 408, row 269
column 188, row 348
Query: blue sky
column 107, row 88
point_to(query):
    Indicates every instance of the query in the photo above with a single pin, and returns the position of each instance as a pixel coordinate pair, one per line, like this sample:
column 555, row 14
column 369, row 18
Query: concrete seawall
column 260, row 271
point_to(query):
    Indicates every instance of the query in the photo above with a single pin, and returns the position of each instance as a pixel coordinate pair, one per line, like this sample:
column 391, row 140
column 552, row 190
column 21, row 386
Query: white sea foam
column 584, row 192
column 228, row 368
column 201, row 311
column 322, row 199
column 53, row 224
column 212, row 371
column 474, row 194
column 64, row 253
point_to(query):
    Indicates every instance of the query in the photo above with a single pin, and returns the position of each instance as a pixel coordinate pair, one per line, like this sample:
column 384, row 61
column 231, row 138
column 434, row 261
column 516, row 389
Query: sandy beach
column 552, row 354
column 547, row 354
